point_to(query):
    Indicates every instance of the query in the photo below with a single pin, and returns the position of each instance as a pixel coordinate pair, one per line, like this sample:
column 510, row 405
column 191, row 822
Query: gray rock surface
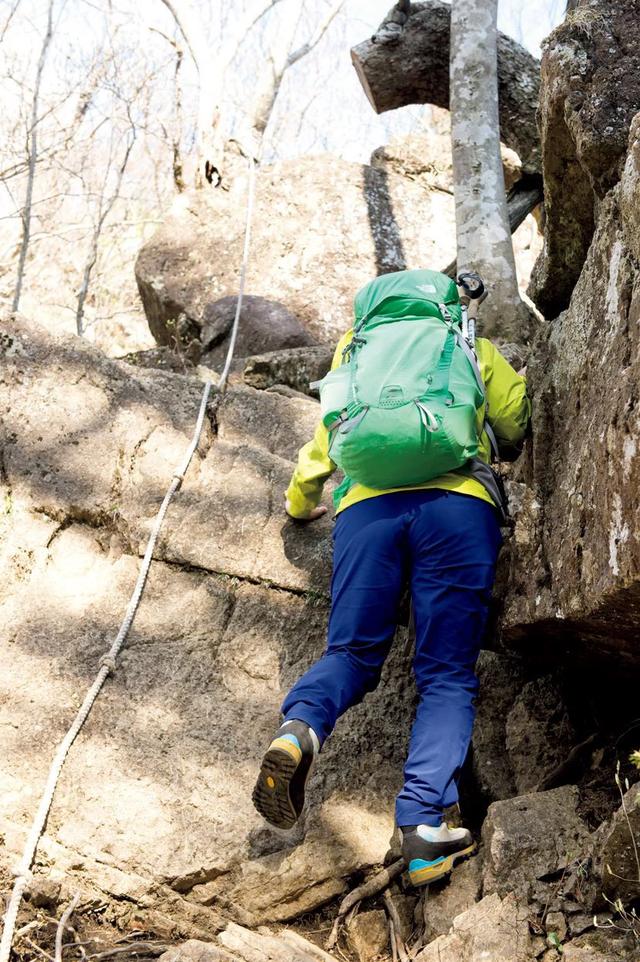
column 617, row 861
column 494, row 928
column 529, row 837
column 296, row 368
column 589, row 94
column 501, row 679
column 196, row 951
column 265, row 946
column 539, row 733
column 575, row 584
column 357, row 222
column 603, row 945
column 368, row 935
column 443, row 904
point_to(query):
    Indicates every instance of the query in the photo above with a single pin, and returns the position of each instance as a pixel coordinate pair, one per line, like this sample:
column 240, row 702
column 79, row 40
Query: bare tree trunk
column 212, row 69
column 177, row 166
column 482, row 221
column 105, row 206
column 33, row 157
column 210, row 79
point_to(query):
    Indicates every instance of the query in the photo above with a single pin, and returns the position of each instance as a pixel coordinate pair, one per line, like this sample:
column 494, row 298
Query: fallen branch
column 149, row 948
column 371, row 887
column 415, row 70
column 36, row 948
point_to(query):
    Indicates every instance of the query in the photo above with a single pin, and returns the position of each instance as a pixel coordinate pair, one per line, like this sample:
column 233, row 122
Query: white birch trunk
column 482, row 222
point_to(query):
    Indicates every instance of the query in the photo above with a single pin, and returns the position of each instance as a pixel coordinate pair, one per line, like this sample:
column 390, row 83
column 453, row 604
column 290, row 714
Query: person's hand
column 313, row 515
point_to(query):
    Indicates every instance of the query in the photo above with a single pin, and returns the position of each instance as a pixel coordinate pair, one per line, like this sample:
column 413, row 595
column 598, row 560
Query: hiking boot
column 279, row 791
column 430, row 852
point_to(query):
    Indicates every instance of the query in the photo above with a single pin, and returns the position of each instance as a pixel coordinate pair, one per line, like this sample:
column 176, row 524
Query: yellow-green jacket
column 508, row 412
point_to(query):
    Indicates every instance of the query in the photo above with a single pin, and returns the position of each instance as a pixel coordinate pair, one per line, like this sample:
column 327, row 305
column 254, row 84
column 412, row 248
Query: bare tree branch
column 7, row 22
column 286, row 59
column 306, row 48
column 33, row 155
column 104, row 209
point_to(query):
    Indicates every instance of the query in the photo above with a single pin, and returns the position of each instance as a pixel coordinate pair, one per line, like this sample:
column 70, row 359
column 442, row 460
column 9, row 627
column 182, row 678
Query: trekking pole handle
column 472, row 285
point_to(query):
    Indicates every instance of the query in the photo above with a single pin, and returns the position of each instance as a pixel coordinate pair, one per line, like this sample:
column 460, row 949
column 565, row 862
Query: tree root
column 396, row 927
column 373, row 886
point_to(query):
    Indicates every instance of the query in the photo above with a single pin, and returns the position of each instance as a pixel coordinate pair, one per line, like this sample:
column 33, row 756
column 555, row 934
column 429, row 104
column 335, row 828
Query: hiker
column 403, row 414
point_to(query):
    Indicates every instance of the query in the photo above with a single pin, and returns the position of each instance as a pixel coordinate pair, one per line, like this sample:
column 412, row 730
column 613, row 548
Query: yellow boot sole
column 427, row 874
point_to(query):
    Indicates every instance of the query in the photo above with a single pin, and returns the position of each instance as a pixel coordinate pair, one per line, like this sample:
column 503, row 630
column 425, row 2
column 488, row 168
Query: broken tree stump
column 415, row 70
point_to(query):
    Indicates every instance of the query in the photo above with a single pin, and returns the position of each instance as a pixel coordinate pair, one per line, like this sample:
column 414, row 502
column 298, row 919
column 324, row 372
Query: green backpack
column 402, row 407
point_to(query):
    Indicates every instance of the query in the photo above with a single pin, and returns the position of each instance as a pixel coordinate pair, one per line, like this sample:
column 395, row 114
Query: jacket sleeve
column 314, row 465
column 509, row 408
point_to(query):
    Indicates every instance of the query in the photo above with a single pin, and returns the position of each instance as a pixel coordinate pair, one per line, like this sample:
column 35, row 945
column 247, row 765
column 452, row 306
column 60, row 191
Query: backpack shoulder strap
column 473, row 361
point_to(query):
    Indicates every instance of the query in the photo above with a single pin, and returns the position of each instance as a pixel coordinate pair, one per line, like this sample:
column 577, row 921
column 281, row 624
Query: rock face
column 589, row 94
column 618, row 860
column 577, row 583
column 501, row 680
column 235, row 610
column 539, row 734
column 445, row 903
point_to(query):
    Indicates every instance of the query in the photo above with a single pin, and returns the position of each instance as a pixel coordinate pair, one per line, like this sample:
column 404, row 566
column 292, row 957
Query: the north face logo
column 427, row 288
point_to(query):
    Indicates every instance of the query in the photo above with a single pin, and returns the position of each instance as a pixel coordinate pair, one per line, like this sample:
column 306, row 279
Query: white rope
column 108, row 661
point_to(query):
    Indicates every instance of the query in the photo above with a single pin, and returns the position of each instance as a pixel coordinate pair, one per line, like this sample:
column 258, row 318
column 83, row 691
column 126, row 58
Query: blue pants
column 447, row 544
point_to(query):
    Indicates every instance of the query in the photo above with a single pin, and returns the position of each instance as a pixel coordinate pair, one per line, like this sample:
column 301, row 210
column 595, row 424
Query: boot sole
column 271, row 795
column 441, row 867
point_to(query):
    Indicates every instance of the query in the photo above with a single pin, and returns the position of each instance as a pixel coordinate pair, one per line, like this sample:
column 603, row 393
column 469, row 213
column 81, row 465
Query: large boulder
column 322, row 227
column 415, row 70
column 575, row 578
column 263, row 326
column 494, row 928
column 531, row 837
column 589, row 94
